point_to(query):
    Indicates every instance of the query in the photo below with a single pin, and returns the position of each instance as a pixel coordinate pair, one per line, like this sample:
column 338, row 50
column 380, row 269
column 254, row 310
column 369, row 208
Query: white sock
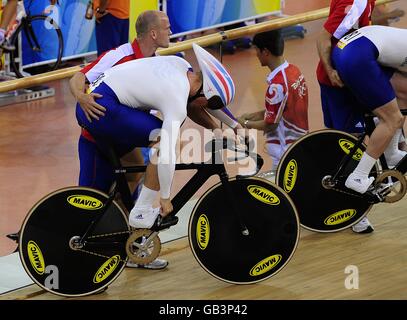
column 402, row 138
column 146, row 197
column 365, row 166
column 393, row 146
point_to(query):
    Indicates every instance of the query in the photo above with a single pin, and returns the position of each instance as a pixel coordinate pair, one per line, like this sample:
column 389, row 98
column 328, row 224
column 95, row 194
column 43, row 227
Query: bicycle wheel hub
column 75, row 244
column 327, row 182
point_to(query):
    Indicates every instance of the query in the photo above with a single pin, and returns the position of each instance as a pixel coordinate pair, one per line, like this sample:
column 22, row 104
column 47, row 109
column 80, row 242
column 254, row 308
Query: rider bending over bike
column 164, row 84
column 372, row 62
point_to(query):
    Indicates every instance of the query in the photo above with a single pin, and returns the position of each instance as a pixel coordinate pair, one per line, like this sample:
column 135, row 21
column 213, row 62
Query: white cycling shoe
column 363, row 226
column 358, row 183
column 143, row 218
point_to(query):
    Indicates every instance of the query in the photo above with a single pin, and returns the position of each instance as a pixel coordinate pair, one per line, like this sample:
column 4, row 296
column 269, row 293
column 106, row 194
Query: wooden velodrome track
column 38, row 155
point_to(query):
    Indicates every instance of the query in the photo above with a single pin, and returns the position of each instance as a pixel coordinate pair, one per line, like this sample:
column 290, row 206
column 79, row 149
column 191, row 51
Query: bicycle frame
column 204, row 171
column 370, row 126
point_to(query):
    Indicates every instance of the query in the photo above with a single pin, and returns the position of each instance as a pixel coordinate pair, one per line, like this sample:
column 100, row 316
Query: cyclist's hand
column 91, row 108
column 166, row 206
column 242, row 119
column 335, row 78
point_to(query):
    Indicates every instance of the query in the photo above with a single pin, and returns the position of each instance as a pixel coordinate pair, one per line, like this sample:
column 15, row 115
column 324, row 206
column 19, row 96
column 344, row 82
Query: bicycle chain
column 98, row 254
column 100, row 236
column 109, row 234
column 348, row 193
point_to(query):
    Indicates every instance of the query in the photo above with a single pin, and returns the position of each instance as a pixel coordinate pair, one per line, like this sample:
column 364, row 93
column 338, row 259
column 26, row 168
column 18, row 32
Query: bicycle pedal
column 373, row 197
column 164, row 223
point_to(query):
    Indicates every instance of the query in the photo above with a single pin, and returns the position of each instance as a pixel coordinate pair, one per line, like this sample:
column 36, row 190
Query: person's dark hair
column 271, row 40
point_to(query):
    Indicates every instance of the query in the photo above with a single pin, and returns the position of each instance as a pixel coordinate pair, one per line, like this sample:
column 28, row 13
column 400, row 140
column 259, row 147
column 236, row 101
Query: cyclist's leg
column 134, row 158
column 358, row 67
column 399, row 83
column 341, row 111
column 95, row 170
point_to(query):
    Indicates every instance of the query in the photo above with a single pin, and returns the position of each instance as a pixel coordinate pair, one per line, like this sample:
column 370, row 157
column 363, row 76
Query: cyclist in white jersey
column 164, row 84
column 372, row 62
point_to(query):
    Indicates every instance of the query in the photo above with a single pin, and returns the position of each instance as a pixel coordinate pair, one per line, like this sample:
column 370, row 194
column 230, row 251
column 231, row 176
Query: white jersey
column 390, row 42
column 159, row 83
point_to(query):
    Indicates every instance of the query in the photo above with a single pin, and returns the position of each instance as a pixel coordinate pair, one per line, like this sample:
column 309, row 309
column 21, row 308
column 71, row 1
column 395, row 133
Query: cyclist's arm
column 225, row 116
column 173, row 118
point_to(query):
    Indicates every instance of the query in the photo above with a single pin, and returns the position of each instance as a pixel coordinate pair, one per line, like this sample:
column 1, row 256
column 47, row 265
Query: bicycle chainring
column 392, row 185
column 143, row 246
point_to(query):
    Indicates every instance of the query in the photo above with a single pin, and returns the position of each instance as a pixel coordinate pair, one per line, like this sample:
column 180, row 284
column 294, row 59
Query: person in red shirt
column 153, row 31
column 339, row 106
column 338, row 102
column 285, row 118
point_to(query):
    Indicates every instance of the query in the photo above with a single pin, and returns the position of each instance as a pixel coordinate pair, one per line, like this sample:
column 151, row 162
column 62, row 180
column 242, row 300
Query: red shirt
column 125, row 52
column 108, row 59
column 286, row 104
column 344, row 17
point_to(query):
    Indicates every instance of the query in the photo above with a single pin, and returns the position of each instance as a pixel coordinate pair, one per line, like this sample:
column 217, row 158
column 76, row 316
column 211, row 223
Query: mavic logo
column 265, row 265
column 106, row 269
column 340, row 217
column 202, row 232
column 85, row 202
column 36, row 257
column 290, row 175
column 347, row 145
column 263, row 195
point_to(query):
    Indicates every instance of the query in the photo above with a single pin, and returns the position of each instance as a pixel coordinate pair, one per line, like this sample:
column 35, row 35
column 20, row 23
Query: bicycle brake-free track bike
column 313, row 172
column 242, row 230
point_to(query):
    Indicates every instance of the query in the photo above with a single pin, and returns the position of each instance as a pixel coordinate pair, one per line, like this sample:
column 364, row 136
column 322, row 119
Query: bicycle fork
column 224, row 178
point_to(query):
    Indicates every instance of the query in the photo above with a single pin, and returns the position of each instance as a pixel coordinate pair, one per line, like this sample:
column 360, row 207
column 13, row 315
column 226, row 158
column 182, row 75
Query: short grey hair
column 146, row 21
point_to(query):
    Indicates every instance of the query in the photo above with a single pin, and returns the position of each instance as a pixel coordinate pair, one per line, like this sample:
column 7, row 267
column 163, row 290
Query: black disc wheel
column 304, row 173
column 246, row 237
column 50, row 248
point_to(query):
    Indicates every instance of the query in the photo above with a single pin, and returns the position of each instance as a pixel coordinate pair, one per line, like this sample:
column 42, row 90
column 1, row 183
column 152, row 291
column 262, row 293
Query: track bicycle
column 313, row 172
column 41, row 38
column 242, row 230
